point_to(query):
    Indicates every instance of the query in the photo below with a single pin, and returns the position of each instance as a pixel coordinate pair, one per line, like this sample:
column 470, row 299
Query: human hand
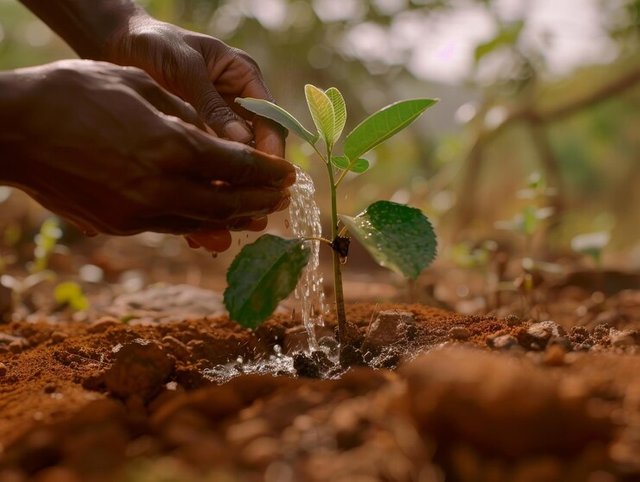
column 107, row 148
column 203, row 71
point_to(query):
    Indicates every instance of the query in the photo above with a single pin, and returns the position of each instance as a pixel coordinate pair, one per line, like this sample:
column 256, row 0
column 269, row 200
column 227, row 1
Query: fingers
column 171, row 105
column 216, row 240
column 235, row 163
column 215, row 111
column 223, row 205
column 269, row 136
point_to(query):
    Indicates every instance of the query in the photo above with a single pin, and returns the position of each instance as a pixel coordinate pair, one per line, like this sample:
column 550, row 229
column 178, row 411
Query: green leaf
column 398, row 237
column 339, row 109
column 263, row 274
column 70, row 293
column 383, row 124
column 358, row 165
column 341, row 162
column 276, row 113
column 322, row 112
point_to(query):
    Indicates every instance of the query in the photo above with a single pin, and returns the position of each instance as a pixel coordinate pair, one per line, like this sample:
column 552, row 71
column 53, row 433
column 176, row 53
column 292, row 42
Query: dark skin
column 153, row 172
column 154, row 169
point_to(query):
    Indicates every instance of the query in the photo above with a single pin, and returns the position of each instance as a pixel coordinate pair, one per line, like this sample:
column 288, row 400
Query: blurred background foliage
column 525, row 86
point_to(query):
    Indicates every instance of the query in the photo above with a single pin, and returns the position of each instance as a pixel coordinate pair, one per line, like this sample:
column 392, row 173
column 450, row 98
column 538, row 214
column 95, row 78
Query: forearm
column 14, row 139
column 86, row 25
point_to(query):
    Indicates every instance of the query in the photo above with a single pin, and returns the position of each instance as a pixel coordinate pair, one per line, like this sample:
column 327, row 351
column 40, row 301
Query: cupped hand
column 110, row 150
column 203, row 71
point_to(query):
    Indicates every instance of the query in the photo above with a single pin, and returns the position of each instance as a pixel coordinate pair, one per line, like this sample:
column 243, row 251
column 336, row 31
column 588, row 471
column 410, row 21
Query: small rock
column 539, row 334
column 623, row 338
column 305, row 366
column 140, row 368
column 58, row 337
column 460, row 333
column 513, row 320
column 504, row 342
column 389, row 328
column 103, row 324
column 3, row 369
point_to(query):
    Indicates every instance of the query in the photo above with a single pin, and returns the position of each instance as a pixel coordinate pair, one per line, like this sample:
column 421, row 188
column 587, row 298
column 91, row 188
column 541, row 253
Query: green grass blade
column 276, row 113
column 383, row 124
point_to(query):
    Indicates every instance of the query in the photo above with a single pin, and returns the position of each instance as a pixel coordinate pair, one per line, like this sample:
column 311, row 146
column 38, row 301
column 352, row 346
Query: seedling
column 592, row 245
column 398, row 237
column 68, row 293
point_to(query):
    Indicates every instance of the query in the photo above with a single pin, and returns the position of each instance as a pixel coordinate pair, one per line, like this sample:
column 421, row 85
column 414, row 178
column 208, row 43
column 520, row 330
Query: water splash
column 275, row 364
column 304, row 216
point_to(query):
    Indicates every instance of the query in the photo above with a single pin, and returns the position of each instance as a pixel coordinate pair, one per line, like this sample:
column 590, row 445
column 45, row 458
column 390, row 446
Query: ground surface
column 443, row 396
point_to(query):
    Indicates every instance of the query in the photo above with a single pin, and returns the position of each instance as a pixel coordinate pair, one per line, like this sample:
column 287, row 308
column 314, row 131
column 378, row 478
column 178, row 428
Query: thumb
column 214, row 109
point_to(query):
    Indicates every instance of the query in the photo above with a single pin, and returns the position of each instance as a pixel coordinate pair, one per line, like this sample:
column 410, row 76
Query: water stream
column 304, row 216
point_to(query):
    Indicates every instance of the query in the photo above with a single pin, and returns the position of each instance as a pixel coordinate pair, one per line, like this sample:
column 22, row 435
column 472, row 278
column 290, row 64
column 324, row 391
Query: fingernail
column 236, row 131
column 289, row 179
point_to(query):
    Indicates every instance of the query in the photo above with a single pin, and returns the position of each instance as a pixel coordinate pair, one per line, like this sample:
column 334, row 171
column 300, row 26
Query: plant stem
column 337, row 270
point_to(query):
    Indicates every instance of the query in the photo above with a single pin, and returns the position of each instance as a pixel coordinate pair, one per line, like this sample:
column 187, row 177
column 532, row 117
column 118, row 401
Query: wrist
column 87, row 26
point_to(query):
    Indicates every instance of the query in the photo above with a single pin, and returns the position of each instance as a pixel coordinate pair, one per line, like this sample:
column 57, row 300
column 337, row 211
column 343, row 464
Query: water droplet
column 214, row 255
column 287, row 223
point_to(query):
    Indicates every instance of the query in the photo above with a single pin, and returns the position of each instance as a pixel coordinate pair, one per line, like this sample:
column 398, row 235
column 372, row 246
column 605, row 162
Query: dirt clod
column 140, row 368
column 460, row 333
column 484, row 399
column 389, row 328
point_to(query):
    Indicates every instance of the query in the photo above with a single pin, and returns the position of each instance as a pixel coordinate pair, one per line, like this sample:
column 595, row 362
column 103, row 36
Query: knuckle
column 216, row 109
column 245, row 57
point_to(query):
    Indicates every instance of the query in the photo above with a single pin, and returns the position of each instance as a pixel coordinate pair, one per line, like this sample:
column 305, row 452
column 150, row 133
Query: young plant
column 398, row 237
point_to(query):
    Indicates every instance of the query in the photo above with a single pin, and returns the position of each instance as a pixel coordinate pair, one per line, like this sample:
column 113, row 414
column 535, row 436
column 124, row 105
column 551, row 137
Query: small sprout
column 69, row 293
column 397, row 236
column 591, row 244
column 46, row 241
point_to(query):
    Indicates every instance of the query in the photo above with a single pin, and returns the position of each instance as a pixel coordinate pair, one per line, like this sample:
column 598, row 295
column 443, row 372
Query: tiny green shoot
column 397, row 236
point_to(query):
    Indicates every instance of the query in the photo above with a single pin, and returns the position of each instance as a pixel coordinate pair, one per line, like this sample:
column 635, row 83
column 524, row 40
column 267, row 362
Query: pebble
column 544, row 330
column 3, row 369
column 504, row 342
column 623, row 338
column 460, row 333
column 513, row 320
column 58, row 337
column 390, row 327
column 103, row 324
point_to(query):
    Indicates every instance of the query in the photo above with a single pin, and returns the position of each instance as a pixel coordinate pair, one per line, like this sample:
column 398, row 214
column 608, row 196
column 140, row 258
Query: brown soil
column 441, row 397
